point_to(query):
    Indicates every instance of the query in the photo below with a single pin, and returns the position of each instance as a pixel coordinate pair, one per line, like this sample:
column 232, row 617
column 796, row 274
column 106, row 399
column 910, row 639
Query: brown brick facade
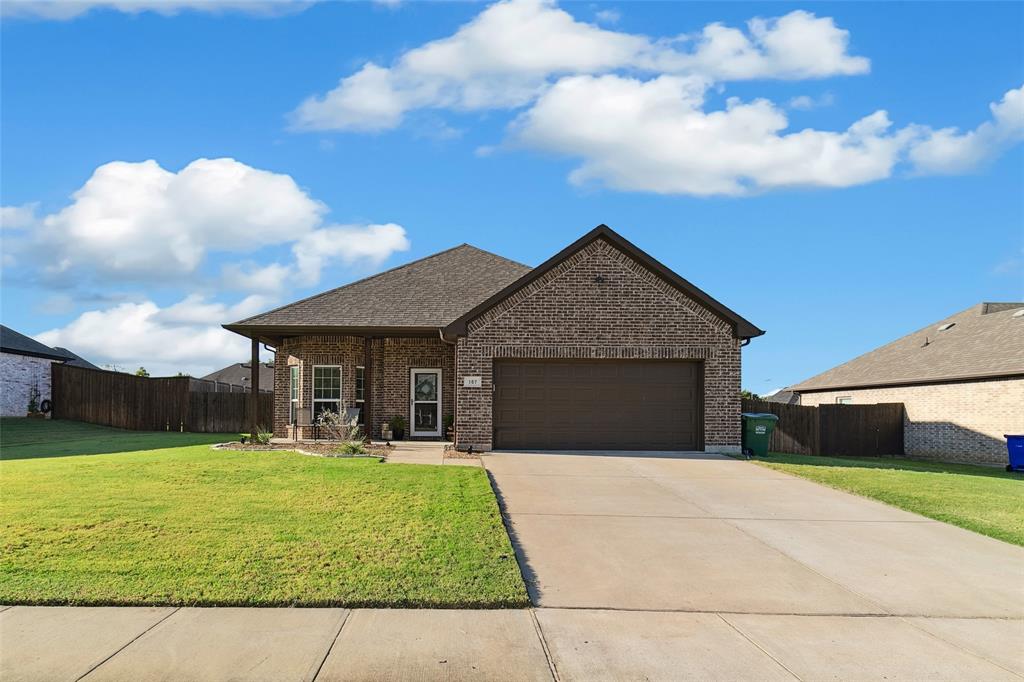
column 631, row 313
column 959, row 422
column 388, row 381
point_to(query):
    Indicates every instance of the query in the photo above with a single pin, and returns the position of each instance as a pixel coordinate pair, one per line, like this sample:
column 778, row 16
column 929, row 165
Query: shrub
column 397, row 423
column 352, row 447
column 334, row 426
column 262, row 436
column 33, row 400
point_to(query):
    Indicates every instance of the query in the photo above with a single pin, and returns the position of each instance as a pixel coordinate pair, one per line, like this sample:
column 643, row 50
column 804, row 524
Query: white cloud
column 348, row 244
column 948, row 150
column 139, row 222
column 655, row 136
column 806, row 102
column 183, row 337
column 484, row 64
column 251, row 276
column 18, row 217
column 64, row 10
column 795, row 46
column 608, row 16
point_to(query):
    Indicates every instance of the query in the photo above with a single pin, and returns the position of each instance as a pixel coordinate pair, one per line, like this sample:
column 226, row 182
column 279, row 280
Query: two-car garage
column 598, row 404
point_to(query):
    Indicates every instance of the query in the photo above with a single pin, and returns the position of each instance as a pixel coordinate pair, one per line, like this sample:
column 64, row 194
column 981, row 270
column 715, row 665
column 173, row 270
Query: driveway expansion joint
column 341, row 626
column 127, row 644
column 544, row 645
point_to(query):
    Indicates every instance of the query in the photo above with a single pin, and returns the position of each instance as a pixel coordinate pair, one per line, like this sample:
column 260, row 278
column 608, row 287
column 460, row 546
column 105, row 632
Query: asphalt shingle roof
column 987, row 339
column 240, row 374
column 16, row 342
column 74, row 359
column 430, row 292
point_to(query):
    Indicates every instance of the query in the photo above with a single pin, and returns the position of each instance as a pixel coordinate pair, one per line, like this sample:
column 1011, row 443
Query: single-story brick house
column 24, row 369
column 960, row 379
column 599, row 347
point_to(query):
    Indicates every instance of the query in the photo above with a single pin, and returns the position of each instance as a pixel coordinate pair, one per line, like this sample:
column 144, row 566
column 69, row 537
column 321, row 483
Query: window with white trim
column 293, row 393
column 361, row 392
column 326, row 389
column 844, row 400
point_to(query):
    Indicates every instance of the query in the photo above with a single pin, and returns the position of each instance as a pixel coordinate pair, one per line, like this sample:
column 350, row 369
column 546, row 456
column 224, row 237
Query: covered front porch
column 404, row 382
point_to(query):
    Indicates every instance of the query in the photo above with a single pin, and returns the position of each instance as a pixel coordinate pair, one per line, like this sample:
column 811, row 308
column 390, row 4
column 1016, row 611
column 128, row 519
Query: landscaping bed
column 199, row 526
column 986, row 500
column 323, row 449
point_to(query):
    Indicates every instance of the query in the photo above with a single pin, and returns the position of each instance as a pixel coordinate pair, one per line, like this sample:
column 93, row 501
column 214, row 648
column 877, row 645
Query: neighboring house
column 961, row 380
column 24, row 368
column 599, row 347
column 785, row 396
column 75, row 360
column 240, row 374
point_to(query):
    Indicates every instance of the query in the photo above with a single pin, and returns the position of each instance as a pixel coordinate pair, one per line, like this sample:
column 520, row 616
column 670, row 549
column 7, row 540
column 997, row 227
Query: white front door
column 425, row 402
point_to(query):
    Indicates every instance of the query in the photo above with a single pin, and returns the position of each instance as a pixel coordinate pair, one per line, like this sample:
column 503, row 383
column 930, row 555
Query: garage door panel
column 598, row 404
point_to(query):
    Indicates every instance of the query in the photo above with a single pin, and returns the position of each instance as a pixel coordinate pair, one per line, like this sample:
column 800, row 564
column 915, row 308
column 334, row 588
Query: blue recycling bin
column 1015, row 448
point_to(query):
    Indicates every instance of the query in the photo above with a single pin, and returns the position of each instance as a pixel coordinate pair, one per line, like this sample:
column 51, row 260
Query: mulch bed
column 323, row 449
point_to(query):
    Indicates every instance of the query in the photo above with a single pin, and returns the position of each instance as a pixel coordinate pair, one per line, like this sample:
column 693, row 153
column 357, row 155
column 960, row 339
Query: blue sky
column 834, row 240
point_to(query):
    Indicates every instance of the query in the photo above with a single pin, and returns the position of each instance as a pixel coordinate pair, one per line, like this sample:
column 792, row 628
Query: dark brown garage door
column 597, row 405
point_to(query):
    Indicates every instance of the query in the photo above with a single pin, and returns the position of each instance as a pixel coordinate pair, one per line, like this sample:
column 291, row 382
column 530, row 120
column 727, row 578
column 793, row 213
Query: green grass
column 189, row 525
column 34, row 438
column 983, row 499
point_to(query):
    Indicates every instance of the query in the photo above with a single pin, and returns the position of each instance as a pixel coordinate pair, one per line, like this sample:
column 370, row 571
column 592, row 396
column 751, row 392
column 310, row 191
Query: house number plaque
column 472, row 382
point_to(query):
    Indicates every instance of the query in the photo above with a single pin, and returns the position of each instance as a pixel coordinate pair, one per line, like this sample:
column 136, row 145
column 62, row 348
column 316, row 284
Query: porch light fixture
column 599, row 279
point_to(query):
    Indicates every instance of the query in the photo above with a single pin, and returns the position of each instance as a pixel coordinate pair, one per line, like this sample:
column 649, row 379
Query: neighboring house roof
column 240, row 374
column 74, row 359
column 785, row 396
column 19, row 344
column 420, row 296
column 984, row 341
column 741, row 327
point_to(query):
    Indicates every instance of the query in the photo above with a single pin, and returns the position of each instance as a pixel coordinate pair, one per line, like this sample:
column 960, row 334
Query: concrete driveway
column 706, row 566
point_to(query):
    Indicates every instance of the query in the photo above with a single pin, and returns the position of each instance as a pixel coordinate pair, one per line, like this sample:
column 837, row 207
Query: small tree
column 750, row 395
column 141, row 372
column 33, row 400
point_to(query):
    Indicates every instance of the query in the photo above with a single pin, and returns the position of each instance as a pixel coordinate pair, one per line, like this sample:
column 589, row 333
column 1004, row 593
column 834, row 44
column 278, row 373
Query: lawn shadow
column 109, row 443
column 529, row 576
column 895, row 464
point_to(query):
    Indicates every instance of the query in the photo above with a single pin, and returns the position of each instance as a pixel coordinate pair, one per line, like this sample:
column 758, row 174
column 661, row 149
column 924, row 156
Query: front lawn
column 983, row 499
column 195, row 526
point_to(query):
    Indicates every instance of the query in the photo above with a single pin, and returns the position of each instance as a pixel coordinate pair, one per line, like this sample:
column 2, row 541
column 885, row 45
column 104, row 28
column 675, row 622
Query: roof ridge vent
column 944, row 327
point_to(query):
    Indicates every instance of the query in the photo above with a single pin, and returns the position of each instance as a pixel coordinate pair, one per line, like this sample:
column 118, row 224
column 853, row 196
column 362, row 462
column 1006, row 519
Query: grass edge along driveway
column 195, row 526
column 983, row 499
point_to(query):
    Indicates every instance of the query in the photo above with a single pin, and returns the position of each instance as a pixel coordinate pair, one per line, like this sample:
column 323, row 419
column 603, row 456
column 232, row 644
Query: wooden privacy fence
column 150, row 404
column 834, row 430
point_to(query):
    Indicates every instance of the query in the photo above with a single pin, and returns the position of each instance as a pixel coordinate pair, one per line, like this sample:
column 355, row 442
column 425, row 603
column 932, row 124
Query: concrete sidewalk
column 144, row 644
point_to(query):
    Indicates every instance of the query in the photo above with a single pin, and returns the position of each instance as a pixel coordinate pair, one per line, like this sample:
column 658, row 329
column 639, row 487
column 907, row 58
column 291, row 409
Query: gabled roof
column 19, row 344
column 420, row 296
column 74, row 359
column 741, row 327
column 986, row 340
column 240, row 374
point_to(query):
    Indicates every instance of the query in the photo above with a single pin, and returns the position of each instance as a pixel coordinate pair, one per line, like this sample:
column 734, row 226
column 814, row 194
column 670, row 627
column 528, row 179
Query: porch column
column 368, row 386
column 254, row 388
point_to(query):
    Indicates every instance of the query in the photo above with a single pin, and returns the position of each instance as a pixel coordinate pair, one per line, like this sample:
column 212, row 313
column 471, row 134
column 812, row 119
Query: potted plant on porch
column 398, row 426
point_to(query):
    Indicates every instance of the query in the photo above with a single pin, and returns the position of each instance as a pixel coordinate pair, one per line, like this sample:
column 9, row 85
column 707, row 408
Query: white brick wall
column 19, row 374
column 959, row 422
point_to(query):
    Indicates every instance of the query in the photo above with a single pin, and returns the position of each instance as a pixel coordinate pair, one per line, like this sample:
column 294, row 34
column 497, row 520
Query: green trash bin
column 757, row 432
